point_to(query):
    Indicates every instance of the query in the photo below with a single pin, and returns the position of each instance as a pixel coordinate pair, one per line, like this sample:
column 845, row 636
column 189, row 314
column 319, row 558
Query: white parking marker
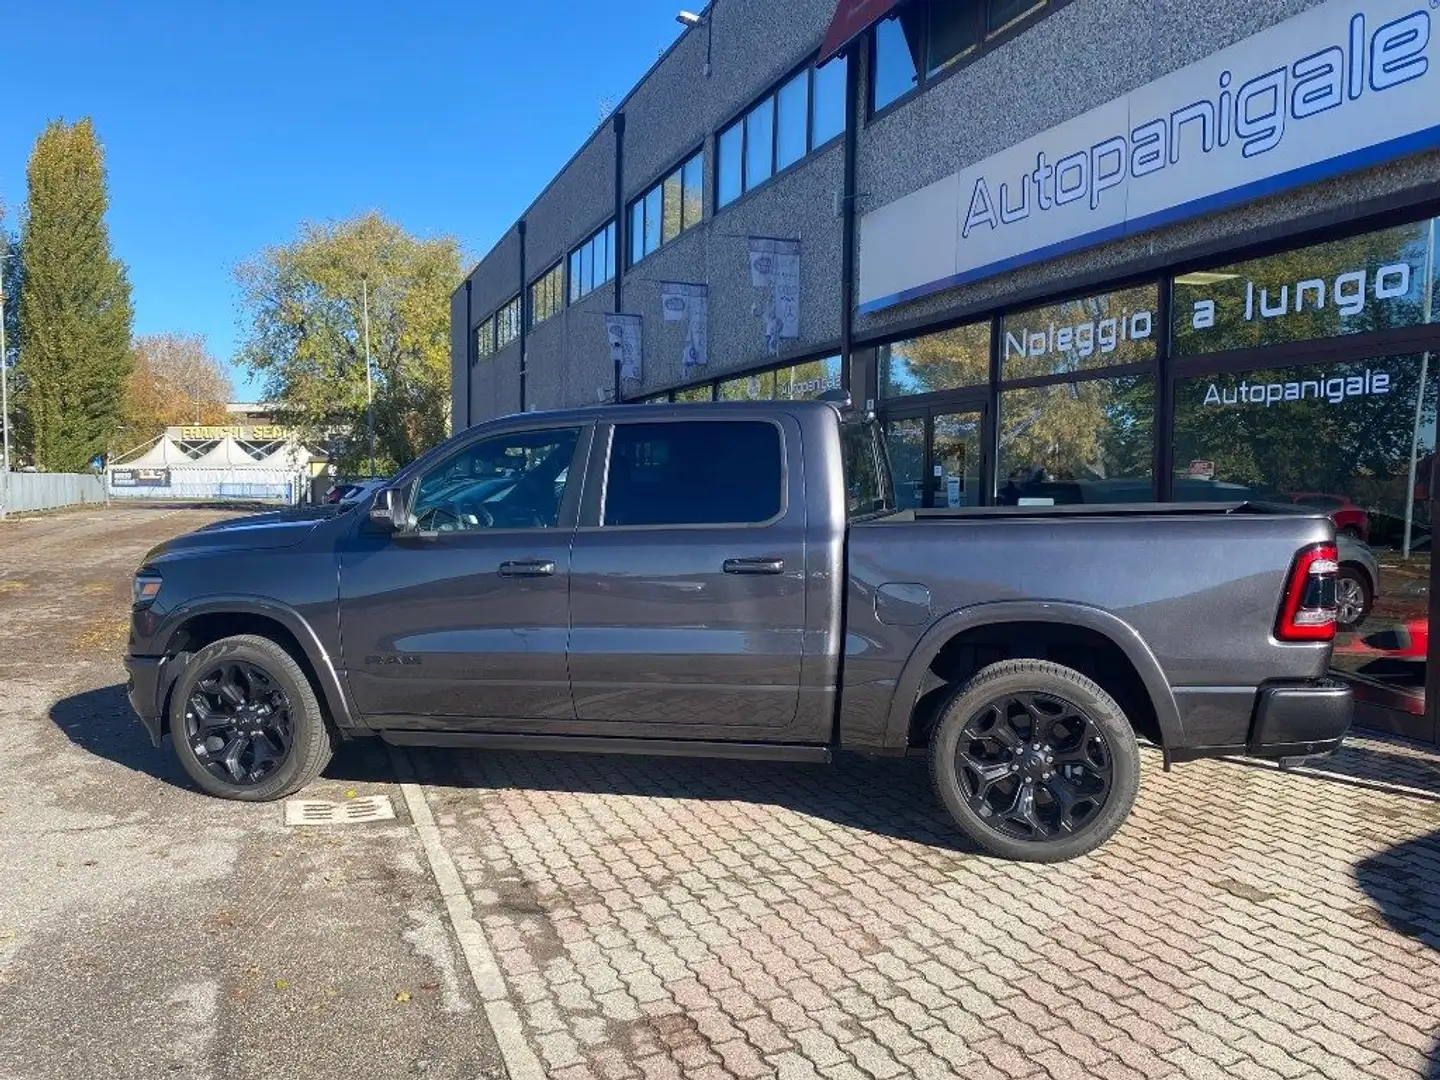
column 348, row 812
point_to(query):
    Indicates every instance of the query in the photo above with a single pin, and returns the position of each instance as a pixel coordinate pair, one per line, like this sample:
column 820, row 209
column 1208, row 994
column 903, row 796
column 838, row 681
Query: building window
column 801, row 115
column 507, row 324
column 1375, row 281
column 808, row 380
column 927, row 38
column 1077, row 442
column 547, row 295
column 757, row 387
column 948, row 360
column 694, row 393
column 731, row 151
column 673, row 206
column 592, row 264
column 485, row 339
column 1102, row 331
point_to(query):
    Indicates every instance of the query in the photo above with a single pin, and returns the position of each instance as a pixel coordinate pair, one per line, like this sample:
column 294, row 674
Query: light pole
column 369, row 386
column 4, row 389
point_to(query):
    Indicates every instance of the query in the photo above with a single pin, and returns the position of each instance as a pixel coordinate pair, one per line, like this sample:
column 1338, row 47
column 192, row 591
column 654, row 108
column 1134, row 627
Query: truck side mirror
column 389, row 510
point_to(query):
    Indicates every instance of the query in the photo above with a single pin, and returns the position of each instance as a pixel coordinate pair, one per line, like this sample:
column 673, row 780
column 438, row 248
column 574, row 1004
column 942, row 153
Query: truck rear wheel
column 245, row 721
column 1034, row 761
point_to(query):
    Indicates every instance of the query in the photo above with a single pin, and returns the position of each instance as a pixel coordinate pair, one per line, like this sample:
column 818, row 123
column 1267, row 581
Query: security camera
column 688, row 18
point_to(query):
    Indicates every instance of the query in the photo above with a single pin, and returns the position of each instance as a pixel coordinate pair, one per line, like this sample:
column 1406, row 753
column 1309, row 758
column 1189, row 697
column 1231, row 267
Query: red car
column 1348, row 517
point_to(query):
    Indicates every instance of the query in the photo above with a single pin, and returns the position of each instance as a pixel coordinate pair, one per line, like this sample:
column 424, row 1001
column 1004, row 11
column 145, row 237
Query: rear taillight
column 1308, row 610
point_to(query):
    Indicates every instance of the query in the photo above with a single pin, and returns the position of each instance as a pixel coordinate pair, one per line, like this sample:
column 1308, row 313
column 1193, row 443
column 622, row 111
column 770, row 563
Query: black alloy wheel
column 1034, row 761
column 1034, row 766
column 238, row 722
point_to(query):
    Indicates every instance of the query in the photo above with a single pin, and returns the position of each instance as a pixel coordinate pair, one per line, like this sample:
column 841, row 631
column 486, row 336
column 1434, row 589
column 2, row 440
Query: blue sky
column 225, row 126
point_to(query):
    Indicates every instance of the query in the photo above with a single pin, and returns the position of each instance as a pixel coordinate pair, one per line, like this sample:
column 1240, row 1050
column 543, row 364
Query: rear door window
column 695, row 473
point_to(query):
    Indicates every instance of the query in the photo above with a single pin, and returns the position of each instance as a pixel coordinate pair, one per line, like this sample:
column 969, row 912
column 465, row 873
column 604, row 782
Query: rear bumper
column 1279, row 720
column 1301, row 721
column 146, row 689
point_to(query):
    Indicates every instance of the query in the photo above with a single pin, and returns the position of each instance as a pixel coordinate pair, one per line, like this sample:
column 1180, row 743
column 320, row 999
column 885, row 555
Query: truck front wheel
column 245, row 721
column 1034, row 761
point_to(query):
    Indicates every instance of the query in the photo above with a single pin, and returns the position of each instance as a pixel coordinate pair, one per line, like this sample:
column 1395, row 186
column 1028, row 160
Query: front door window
column 514, row 481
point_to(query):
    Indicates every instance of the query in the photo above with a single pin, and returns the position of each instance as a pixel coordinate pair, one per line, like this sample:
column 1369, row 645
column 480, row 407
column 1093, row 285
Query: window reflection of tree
column 1359, row 447
column 947, row 360
column 1226, row 286
column 1099, row 429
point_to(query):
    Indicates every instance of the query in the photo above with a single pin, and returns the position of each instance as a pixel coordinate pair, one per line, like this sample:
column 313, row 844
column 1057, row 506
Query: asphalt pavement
column 149, row 931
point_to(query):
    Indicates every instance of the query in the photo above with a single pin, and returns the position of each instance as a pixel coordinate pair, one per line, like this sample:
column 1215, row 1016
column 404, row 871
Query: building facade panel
column 578, row 201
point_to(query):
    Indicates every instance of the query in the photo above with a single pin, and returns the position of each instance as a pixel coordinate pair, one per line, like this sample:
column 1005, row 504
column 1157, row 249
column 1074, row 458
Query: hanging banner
column 690, row 304
column 624, row 334
column 775, row 266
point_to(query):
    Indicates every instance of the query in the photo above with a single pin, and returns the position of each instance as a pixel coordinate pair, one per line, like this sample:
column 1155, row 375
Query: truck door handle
column 754, row 566
column 536, row 568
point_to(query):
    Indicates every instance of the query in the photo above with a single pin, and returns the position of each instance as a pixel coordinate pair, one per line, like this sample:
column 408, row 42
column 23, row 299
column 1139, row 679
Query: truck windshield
column 867, row 470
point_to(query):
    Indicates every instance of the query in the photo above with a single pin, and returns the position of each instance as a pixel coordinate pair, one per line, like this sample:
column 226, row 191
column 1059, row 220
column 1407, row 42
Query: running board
column 595, row 744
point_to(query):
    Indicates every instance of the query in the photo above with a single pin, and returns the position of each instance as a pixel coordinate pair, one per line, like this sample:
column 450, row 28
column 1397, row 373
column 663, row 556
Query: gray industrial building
column 1068, row 250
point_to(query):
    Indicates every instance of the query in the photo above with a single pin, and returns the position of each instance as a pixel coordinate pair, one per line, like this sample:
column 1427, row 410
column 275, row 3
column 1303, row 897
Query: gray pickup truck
column 733, row 580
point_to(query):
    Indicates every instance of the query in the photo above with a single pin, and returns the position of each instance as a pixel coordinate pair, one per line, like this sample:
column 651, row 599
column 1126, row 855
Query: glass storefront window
column 955, row 446
column 1081, row 442
column 759, row 387
column 1372, row 282
column 1354, row 441
column 694, row 393
column 945, row 361
column 905, row 447
column 1105, row 330
column 808, row 380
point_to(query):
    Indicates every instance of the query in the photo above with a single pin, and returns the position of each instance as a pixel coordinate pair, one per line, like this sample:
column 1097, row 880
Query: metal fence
column 45, row 491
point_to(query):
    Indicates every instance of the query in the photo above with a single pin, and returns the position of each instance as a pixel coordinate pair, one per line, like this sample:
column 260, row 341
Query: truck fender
column 330, row 688
column 1105, row 623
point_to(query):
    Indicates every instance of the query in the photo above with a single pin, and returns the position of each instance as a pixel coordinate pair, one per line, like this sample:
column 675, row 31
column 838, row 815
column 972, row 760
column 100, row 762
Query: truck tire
column 1034, row 761
column 246, row 723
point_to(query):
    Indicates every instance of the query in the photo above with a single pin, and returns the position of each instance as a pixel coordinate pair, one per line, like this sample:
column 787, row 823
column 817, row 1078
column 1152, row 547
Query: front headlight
column 145, row 589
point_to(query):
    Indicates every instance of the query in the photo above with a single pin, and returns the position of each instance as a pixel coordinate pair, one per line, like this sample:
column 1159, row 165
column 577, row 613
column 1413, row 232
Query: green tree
column 304, row 335
column 75, row 312
column 11, row 275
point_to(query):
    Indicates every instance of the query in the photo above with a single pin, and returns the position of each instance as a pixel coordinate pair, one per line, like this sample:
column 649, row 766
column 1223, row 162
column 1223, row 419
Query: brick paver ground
column 666, row 918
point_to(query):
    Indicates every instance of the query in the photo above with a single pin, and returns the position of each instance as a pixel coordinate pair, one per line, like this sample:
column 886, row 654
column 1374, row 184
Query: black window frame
column 575, row 290
column 772, row 95
column 675, row 174
column 986, row 42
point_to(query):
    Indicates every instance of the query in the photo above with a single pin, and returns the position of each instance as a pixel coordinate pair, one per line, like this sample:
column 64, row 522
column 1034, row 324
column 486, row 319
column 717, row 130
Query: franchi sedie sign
column 1344, row 86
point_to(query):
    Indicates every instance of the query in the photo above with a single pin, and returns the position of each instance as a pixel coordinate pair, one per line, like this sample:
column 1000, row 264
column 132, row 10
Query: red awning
column 852, row 18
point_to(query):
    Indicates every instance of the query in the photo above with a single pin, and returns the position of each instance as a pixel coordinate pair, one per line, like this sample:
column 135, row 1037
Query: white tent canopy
column 221, row 467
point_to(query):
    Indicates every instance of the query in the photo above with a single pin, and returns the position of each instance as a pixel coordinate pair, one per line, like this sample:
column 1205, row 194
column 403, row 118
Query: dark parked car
column 733, row 580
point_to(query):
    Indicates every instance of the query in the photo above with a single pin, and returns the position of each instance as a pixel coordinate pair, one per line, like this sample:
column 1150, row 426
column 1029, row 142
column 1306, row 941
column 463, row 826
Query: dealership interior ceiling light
column 1204, row 277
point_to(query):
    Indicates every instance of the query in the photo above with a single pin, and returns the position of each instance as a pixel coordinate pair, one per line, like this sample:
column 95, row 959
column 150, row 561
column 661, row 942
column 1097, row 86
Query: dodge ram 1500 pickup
column 734, row 580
